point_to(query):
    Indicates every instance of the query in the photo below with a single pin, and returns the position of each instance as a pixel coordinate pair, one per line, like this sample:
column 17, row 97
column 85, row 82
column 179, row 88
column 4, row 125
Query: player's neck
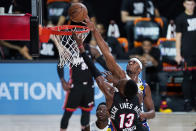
column 101, row 124
column 134, row 77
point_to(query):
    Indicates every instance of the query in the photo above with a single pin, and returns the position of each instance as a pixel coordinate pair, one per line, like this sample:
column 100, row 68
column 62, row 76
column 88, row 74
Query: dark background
column 106, row 10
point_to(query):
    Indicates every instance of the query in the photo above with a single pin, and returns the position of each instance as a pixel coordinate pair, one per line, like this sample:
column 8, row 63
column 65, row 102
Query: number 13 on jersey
column 129, row 120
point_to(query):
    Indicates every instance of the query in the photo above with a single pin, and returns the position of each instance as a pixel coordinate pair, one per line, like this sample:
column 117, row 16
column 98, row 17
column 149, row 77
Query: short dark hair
column 189, row 0
column 102, row 103
column 147, row 39
column 130, row 89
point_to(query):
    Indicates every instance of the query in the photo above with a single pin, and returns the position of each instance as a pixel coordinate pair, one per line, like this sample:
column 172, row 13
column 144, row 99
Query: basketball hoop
column 66, row 45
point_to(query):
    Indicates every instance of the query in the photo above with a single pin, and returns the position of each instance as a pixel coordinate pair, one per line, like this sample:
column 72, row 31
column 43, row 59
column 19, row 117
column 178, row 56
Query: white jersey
column 93, row 127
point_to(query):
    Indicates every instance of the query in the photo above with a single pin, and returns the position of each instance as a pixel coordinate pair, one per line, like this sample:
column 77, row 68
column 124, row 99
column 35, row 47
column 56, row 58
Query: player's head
column 102, row 112
column 134, row 66
column 128, row 88
column 189, row 5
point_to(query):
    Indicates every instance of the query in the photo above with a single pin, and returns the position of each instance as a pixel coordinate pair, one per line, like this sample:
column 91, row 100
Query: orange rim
column 59, row 30
column 44, row 32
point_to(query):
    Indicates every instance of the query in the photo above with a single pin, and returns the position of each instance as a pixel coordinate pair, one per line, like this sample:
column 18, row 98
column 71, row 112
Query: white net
column 67, row 47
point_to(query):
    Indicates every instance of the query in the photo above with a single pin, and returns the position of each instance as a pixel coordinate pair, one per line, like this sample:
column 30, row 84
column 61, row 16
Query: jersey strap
column 144, row 84
column 110, row 127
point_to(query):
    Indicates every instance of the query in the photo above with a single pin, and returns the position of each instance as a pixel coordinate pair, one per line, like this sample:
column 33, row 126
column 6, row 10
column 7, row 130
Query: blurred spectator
column 55, row 9
column 6, row 4
column 171, row 30
column 113, row 30
column 185, row 50
column 153, row 69
column 22, row 6
column 116, row 48
column 134, row 9
column 22, row 50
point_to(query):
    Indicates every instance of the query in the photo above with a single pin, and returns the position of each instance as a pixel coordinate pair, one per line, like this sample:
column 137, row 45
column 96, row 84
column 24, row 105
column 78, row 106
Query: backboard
column 23, row 27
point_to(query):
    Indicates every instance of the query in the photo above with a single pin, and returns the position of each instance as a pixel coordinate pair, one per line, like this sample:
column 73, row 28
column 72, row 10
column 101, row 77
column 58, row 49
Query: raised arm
column 110, row 61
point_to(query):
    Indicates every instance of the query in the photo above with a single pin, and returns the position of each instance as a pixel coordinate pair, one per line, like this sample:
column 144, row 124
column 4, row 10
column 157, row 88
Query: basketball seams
column 74, row 13
column 78, row 12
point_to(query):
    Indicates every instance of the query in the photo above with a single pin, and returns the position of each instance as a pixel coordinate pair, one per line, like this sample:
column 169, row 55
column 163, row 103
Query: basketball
column 78, row 12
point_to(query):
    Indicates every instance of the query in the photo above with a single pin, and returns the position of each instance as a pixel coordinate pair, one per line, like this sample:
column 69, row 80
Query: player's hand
column 178, row 59
column 110, row 78
column 89, row 24
column 142, row 116
column 66, row 86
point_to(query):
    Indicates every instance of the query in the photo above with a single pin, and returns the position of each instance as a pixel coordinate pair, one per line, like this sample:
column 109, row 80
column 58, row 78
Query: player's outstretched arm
column 110, row 61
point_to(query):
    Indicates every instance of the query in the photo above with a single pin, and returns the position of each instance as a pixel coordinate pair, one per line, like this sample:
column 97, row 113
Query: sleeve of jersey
column 125, row 5
column 178, row 24
column 95, row 72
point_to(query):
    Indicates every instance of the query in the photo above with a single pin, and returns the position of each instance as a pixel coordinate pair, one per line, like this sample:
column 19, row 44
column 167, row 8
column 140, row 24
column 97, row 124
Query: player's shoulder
column 147, row 88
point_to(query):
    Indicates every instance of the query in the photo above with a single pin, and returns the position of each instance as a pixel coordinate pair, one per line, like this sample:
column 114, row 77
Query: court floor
column 162, row 122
